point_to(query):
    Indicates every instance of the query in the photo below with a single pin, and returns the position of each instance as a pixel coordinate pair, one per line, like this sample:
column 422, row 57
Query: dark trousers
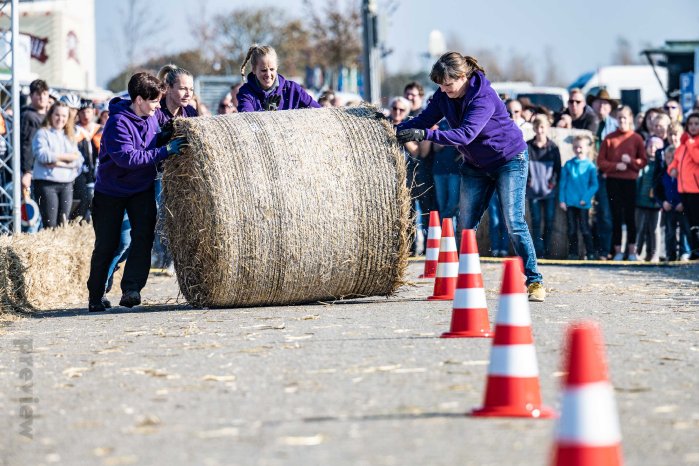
column 622, row 202
column 647, row 221
column 673, row 221
column 107, row 217
column 83, row 193
column 602, row 222
column 690, row 201
column 579, row 219
column 55, row 200
column 542, row 242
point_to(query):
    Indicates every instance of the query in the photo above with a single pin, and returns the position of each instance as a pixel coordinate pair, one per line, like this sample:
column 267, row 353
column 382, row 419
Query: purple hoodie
column 163, row 113
column 128, row 155
column 251, row 97
column 482, row 130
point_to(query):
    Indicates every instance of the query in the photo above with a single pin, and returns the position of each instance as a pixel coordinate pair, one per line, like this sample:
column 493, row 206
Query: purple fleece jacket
column 251, row 97
column 482, row 130
column 128, row 155
column 163, row 113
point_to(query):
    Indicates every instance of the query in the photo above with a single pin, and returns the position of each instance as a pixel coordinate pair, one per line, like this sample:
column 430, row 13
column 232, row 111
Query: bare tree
column 552, row 76
column 623, row 54
column 518, row 68
column 139, row 26
column 335, row 32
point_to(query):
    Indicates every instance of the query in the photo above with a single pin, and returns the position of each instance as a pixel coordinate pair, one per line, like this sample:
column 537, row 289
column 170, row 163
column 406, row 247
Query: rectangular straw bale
column 286, row 207
column 46, row 270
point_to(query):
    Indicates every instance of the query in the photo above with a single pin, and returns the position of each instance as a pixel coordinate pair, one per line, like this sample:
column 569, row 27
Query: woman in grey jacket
column 57, row 163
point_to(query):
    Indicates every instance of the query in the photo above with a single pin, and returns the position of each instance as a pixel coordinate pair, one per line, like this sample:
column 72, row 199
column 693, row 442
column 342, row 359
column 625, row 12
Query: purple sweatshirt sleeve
column 306, row 100
column 246, row 101
column 476, row 117
column 121, row 149
column 427, row 118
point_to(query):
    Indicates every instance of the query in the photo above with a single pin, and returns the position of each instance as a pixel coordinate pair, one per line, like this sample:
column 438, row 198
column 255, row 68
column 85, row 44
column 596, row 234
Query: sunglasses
column 671, row 107
column 571, row 101
column 398, row 109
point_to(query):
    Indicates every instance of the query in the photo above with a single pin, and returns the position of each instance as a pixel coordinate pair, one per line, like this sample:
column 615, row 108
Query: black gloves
column 408, row 135
column 272, row 102
column 174, row 146
column 165, row 134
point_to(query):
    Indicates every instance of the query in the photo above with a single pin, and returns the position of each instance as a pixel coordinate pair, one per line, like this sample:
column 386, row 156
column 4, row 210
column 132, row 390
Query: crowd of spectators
column 632, row 178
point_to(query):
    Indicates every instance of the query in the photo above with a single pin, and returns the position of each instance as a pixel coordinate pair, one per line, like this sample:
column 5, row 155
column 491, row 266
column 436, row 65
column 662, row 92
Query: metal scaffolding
column 10, row 189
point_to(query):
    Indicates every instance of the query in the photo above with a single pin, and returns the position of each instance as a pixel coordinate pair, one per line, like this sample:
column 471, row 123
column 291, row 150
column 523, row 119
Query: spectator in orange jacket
column 685, row 167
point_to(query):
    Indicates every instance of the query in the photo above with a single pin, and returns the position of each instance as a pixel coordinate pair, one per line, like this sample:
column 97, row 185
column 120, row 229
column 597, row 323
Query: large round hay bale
column 47, row 270
column 287, row 207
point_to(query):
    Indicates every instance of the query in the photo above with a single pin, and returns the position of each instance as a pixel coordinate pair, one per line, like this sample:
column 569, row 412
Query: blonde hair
column 170, row 73
column 455, row 66
column 254, row 54
column 675, row 128
column 541, row 119
column 664, row 117
column 69, row 128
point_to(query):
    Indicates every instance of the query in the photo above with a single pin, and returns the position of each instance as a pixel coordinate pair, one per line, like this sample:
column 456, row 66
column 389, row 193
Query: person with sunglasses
column 494, row 153
column 583, row 115
column 674, row 110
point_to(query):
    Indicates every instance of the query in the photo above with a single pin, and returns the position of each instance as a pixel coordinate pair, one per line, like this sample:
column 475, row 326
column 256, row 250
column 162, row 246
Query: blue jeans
column 122, row 251
column 499, row 240
column 160, row 249
column 542, row 244
column 510, row 182
column 447, row 188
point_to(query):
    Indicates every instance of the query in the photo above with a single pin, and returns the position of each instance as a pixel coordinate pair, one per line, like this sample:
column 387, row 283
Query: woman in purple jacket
column 124, row 183
column 495, row 156
column 265, row 89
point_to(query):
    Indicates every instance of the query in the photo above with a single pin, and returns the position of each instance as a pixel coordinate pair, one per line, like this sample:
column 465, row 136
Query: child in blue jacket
column 578, row 185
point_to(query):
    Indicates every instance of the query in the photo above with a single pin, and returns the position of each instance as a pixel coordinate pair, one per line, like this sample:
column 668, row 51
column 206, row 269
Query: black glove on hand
column 272, row 102
column 174, row 146
column 408, row 135
column 165, row 134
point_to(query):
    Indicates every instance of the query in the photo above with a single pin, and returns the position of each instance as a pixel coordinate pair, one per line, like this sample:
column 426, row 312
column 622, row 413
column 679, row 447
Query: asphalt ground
column 362, row 382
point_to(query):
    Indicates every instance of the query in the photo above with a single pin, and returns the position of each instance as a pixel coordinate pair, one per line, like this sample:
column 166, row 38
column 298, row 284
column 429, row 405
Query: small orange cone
column 469, row 317
column 448, row 265
column 512, row 389
column 434, row 235
column 588, row 431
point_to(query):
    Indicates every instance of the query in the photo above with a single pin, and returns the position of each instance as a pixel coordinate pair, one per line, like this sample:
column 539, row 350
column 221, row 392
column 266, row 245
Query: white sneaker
column 618, row 257
column 684, row 258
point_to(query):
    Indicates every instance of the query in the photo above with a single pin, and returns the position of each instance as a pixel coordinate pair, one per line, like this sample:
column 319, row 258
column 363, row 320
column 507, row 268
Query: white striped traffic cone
column 448, row 265
column 434, row 235
column 469, row 317
column 588, row 431
column 512, row 389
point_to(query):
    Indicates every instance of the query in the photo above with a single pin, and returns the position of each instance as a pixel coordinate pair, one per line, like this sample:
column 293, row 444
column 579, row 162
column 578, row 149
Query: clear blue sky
column 581, row 35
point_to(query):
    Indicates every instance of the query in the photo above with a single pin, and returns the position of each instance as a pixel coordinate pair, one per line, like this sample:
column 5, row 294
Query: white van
column 616, row 79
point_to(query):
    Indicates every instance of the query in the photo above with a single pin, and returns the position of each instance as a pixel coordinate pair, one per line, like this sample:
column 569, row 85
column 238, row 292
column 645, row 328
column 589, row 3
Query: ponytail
column 169, row 74
column 255, row 52
column 453, row 65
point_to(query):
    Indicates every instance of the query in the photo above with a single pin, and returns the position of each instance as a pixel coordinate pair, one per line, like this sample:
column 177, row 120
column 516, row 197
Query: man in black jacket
column 30, row 120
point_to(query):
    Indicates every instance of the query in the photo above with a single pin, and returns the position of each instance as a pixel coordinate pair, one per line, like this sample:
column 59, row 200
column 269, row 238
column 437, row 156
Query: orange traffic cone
column 448, row 265
column 588, row 431
column 434, row 234
column 512, row 389
column 469, row 317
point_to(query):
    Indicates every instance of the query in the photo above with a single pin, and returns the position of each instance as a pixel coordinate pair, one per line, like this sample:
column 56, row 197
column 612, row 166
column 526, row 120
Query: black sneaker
column 106, row 303
column 130, row 299
column 96, row 306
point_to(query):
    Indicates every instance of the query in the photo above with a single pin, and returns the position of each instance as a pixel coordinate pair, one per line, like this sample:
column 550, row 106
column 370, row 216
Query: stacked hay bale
column 296, row 206
column 47, row 270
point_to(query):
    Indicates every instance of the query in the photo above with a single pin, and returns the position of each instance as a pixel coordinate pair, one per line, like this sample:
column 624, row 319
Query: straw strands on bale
column 286, row 207
column 46, row 270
